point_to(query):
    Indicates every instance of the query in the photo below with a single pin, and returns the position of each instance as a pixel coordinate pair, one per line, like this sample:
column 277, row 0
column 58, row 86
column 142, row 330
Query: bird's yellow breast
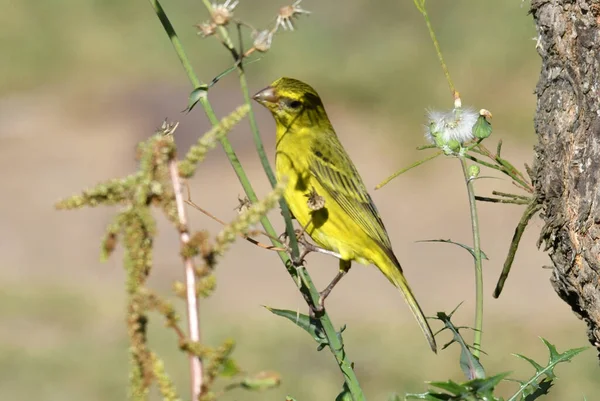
column 330, row 227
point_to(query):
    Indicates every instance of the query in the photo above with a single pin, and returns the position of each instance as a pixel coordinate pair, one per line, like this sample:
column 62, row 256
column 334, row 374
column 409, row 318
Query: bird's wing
column 332, row 167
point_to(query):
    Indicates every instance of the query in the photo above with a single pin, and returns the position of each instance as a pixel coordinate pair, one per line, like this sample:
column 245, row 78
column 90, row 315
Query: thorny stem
column 478, row 262
column 190, row 282
column 298, row 274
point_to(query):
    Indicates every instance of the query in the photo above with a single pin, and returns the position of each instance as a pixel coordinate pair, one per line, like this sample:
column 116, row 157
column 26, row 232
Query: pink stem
column 190, row 281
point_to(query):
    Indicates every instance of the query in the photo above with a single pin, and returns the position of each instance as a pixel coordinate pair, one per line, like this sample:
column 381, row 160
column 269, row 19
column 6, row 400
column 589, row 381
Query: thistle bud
column 482, row 128
column 473, row 171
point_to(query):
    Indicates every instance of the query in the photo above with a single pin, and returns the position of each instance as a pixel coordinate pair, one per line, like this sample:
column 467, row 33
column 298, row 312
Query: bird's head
column 292, row 102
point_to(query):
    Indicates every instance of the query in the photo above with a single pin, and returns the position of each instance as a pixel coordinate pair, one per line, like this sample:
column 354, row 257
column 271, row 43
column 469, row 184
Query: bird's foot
column 316, row 311
column 319, row 308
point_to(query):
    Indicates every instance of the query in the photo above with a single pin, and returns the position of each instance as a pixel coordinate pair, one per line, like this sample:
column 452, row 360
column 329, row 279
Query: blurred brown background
column 81, row 82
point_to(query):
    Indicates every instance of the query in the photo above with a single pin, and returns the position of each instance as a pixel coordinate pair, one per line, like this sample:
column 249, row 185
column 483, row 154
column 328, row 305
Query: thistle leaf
column 477, row 389
column 469, row 364
column 540, row 383
column 310, row 325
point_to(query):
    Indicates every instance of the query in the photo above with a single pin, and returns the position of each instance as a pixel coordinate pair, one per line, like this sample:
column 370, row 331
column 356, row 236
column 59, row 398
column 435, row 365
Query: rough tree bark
column 566, row 169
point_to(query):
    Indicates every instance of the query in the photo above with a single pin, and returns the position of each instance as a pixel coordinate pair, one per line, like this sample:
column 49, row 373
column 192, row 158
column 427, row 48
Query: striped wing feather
column 332, row 167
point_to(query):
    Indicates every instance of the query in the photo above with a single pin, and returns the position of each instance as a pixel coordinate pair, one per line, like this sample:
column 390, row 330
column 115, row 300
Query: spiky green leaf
column 451, row 387
column 538, row 368
column 470, row 365
column 429, row 396
column 310, row 325
column 541, row 381
column 477, row 389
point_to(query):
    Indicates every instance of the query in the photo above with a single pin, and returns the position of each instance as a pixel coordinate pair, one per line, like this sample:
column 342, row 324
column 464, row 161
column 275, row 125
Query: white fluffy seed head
column 454, row 125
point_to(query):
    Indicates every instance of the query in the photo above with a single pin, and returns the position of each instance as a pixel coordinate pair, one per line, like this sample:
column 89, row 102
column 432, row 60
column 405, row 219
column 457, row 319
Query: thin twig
column 423, row 11
column 190, row 282
column 500, row 200
column 499, row 159
column 506, row 167
column 404, row 170
column 514, row 196
column 190, row 202
column 516, row 180
column 530, row 211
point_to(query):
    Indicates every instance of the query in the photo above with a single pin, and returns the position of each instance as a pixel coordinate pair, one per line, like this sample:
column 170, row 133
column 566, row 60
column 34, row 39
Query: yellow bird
column 310, row 155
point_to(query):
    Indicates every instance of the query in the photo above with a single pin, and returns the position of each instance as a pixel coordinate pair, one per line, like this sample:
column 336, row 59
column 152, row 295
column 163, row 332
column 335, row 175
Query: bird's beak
column 266, row 95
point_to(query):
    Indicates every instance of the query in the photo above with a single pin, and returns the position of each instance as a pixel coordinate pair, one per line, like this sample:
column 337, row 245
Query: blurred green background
column 81, row 82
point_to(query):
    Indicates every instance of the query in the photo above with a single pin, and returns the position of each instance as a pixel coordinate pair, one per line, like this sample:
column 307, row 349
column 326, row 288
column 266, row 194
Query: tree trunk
column 567, row 162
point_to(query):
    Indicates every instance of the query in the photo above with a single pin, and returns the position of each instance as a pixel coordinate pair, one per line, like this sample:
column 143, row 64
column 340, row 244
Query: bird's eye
column 294, row 104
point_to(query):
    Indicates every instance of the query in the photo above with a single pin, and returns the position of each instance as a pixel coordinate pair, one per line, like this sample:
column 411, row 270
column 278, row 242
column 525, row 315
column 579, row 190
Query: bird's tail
column 393, row 272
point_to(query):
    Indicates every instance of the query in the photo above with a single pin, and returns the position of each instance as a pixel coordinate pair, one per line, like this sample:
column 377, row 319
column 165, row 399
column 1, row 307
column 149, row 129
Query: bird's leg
column 344, row 268
column 309, row 247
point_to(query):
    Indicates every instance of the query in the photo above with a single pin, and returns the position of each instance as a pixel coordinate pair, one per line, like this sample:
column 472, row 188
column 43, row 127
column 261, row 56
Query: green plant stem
column 478, row 262
column 501, row 165
column 298, row 274
column 258, row 143
column 421, row 7
column 404, row 170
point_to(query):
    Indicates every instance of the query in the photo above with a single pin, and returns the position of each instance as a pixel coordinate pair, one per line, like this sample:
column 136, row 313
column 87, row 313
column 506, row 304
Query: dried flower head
column 243, row 204
column 222, row 13
column 452, row 126
column 242, row 223
column 167, row 128
column 287, row 14
column 262, row 40
column 206, row 29
column 315, row 201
